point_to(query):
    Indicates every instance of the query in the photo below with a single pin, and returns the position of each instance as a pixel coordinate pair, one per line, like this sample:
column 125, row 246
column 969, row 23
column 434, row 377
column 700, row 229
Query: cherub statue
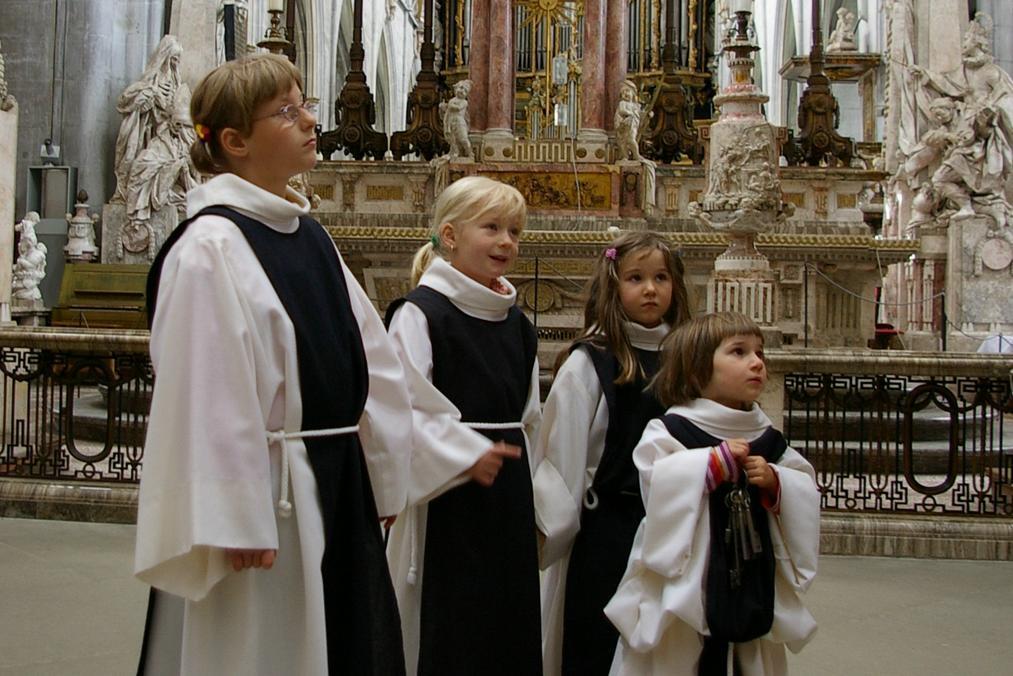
column 627, row 122
column 30, row 268
column 842, row 39
column 455, row 122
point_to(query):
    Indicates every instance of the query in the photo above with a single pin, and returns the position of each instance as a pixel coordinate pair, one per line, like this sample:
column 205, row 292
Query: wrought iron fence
column 74, row 403
column 918, row 434
column 887, row 431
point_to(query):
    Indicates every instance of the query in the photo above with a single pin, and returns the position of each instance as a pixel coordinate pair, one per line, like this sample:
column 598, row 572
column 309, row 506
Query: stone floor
column 68, row 605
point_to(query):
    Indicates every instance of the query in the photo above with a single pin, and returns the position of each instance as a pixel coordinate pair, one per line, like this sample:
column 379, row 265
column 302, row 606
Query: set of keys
column 740, row 534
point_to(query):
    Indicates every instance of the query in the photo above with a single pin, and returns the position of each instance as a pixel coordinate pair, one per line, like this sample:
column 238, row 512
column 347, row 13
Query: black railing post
column 805, row 303
column 942, row 307
column 536, row 294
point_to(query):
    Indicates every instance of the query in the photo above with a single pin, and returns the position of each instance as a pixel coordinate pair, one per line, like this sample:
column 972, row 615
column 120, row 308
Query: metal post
column 942, row 301
column 805, row 303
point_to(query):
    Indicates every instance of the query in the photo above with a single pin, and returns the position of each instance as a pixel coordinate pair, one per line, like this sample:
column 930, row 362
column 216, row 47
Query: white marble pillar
column 8, row 164
column 195, row 26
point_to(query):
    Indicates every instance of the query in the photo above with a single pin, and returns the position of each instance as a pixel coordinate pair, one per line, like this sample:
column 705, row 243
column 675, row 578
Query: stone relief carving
column 742, row 176
column 6, row 98
column 80, row 246
column 456, row 123
column 842, row 39
column 30, row 267
column 968, row 152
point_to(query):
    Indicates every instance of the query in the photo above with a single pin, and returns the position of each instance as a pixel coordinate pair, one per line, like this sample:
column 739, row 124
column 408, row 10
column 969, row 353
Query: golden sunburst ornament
column 553, row 11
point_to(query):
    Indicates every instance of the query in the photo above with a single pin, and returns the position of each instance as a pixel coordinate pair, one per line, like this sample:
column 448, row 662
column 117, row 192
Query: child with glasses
column 280, row 426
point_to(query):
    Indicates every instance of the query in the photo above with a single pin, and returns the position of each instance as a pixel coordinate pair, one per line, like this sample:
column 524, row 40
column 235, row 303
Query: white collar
column 469, row 296
column 720, row 421
column 644, row 338
column 250, row 200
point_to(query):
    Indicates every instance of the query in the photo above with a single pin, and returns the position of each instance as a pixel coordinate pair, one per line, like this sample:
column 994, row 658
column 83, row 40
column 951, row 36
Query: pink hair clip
column 610, row 253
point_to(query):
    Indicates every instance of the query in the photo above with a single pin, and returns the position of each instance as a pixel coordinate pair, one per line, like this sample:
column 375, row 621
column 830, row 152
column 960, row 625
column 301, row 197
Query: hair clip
column 435, row 241
column 203, row 132
column 611, row 253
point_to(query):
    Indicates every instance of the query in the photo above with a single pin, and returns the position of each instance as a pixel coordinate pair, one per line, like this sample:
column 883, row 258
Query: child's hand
column 485, row 470
column 739, row 449
column 759, row 473
column 251, row 558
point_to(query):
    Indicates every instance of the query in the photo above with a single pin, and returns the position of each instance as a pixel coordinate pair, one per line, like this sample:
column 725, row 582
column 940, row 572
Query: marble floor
column 68, row 605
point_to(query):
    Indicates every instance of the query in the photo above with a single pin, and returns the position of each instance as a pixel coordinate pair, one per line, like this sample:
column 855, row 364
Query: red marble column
column 593, row 99
column 616, row 41
column 500, row 92
column 478, row 66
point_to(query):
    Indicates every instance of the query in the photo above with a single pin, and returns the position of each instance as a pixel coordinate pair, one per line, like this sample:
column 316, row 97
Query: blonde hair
column 229, row 95
column 687, row 355
column 465, row 202
column 603, row 308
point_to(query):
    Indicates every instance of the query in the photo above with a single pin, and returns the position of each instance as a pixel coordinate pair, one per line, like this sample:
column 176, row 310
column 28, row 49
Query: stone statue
column 627, row 122
column 455, row 122
column 976, row 158
column 534, row 111
column 146, row 106
column 30, row 268
column 6, row 98
column 842, row 39
column 81, row 233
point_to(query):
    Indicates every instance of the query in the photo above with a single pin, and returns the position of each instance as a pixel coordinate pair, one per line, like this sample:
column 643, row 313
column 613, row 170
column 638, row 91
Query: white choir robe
column 660, row 606
column 224, row 353
column 571, row 442
column 444, row 448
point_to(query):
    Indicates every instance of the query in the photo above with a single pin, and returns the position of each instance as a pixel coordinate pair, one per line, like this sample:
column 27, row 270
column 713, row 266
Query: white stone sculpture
column 6, row 99
column 977, row 159
column 81, row 233
column 30, row 267
column 627, row 122
column 842, row 39
column 146, row 105
column 456, row 124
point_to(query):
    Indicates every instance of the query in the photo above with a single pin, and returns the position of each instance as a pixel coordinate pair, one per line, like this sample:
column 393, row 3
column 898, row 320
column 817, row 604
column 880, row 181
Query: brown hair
column 603, row 309
column 687, row 355
column 227, row 98
column 466, row 201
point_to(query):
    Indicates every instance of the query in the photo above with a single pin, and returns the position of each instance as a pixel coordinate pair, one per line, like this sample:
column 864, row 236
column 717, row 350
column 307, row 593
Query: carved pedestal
column 125, row 242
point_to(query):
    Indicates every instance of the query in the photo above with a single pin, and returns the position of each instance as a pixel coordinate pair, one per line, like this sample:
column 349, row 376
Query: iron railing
column 895, row 432
column 887, row 431
column 74, row 403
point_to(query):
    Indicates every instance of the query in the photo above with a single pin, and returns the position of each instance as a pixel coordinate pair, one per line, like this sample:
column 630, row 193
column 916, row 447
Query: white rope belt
column 412, row 557
column 284, row 506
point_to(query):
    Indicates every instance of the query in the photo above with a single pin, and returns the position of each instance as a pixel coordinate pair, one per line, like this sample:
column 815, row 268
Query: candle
column 735, row 6
column 275, row 5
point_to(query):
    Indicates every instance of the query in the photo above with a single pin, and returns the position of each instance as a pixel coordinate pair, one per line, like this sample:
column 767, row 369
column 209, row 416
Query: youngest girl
column 709, row 565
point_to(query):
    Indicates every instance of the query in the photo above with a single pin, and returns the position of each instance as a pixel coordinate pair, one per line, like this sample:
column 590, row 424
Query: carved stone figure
column 81, row 233
column 842, row 39
column 6, row 99
column 976, row 158
column 30, row 267
column 627, row 122
column 145, row 105
column 456, row 123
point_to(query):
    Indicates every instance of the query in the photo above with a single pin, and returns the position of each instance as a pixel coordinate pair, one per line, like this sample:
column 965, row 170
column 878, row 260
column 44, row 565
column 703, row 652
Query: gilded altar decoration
column 558, row 190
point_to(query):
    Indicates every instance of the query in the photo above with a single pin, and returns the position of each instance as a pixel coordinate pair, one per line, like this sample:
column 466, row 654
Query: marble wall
column 67, row 63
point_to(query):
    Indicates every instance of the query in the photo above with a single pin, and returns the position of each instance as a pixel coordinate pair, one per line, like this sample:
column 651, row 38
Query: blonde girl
column 277, row 397
column 586, row 488
column 732, row 523
column 464, row 557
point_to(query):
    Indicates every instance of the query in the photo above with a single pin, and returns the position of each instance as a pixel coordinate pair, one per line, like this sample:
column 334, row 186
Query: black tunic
column 480, row 599
column 363, row 627
column 607, row 527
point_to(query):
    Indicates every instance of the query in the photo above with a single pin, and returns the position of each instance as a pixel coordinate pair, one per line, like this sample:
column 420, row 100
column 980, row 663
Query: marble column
column 500, row 90
column 594, row 99
column 8, row 163
column 615, row 56
column 478, row 66
column 195, row 26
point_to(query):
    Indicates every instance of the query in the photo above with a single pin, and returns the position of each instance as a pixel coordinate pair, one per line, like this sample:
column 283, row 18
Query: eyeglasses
column 290, row 112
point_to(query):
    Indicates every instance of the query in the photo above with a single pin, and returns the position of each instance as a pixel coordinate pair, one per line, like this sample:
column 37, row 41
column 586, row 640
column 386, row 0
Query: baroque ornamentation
column 30, row 267
column 423, row 134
